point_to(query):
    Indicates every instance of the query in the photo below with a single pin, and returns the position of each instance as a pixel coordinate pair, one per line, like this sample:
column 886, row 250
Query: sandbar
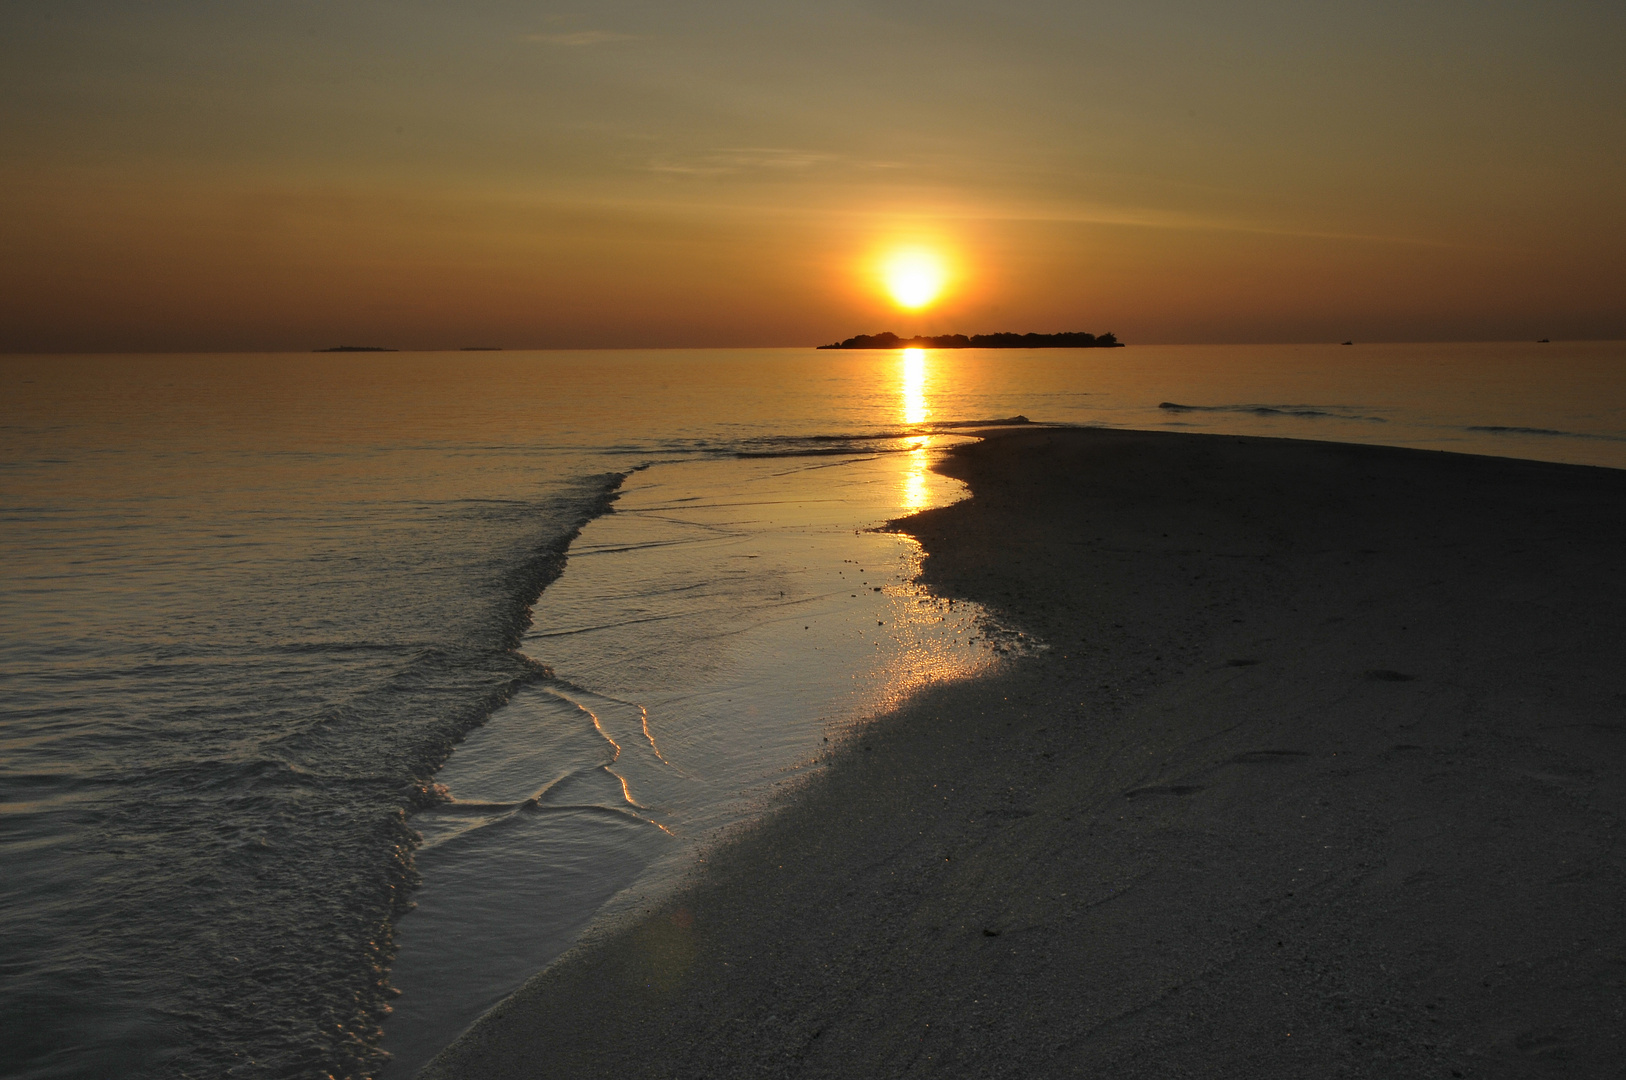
column 1317, row 771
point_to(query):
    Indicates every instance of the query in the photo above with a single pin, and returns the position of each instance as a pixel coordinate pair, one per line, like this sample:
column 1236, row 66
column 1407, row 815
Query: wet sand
column 1321, row 774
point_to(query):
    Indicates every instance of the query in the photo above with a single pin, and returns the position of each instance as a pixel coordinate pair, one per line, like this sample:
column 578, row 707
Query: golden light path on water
column 916, row 492
column 915, row 410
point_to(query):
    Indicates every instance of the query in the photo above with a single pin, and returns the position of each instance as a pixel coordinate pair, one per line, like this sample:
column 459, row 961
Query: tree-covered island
column 1075, row 339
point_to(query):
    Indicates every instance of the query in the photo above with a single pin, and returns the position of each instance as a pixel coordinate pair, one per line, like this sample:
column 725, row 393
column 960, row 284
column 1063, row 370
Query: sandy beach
column 1317, row 773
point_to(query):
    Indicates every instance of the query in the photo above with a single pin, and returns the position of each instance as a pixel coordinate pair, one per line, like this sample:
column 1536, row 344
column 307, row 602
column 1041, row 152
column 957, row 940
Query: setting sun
column 914, row 278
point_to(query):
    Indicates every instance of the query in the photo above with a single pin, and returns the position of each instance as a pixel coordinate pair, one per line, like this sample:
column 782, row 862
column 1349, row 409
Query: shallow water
column 728, row 623
column 251, row 602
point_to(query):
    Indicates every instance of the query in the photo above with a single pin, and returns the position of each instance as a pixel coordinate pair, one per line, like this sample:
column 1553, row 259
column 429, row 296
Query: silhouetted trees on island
column 1075, row 339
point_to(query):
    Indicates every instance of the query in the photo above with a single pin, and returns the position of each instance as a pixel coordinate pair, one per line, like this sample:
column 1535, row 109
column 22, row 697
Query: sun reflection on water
column 914, row 387
column 916, row 491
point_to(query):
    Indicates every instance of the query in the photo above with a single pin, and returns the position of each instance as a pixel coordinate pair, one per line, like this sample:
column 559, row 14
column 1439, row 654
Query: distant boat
column 1349, row 343
column 1544, row 341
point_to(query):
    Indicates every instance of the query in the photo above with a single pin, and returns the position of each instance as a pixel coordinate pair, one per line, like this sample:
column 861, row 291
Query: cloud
column 578, row 38
column 719, row 162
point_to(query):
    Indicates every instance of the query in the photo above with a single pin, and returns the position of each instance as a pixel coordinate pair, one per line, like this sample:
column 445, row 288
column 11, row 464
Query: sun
column 914, row 277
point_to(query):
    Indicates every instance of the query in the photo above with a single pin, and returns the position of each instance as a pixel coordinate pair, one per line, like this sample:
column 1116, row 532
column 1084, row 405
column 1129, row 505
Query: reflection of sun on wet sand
column 916, row 493
column 1320, row 774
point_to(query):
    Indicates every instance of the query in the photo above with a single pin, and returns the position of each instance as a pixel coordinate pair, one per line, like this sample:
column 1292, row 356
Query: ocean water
column 333, row 702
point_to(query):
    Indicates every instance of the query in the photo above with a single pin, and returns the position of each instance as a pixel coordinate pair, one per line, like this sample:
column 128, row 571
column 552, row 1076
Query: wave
column 799, row 445
column 1508, row 429
column 1335, row 412
column 461, row 822
column 546, row 561
column 859, row 442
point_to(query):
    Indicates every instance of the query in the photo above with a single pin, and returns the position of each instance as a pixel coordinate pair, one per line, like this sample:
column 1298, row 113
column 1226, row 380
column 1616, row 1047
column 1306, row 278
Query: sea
column 340, row 693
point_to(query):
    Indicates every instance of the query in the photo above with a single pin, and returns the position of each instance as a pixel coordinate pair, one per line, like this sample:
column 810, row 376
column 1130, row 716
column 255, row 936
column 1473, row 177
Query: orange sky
column 229, row 176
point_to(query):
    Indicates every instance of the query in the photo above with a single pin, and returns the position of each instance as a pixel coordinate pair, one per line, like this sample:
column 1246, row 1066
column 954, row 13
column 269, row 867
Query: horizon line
column 329, row 350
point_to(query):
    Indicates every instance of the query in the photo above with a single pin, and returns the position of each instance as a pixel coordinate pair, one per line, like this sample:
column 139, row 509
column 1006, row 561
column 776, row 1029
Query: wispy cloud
column 746, row 159
column 1154, row 219
column 578, row 38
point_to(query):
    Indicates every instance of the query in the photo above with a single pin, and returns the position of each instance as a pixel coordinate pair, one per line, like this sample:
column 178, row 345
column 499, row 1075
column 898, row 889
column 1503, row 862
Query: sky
column 182, row 175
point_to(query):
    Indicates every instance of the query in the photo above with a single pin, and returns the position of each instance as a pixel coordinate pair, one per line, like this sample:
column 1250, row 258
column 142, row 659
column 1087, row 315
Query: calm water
column 250, row 603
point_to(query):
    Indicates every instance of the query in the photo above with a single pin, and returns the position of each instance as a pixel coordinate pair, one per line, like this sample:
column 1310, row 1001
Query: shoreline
column 1318, row 776
column 707, row 634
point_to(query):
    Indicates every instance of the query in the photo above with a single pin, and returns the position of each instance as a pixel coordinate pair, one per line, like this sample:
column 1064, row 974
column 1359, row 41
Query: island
column 1075, row 339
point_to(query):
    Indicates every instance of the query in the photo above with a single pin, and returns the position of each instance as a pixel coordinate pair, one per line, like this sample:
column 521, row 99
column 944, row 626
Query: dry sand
column 1320, row 775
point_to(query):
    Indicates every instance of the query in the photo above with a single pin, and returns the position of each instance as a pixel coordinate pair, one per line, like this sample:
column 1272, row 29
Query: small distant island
column 1075, row 339
column 355, row 348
